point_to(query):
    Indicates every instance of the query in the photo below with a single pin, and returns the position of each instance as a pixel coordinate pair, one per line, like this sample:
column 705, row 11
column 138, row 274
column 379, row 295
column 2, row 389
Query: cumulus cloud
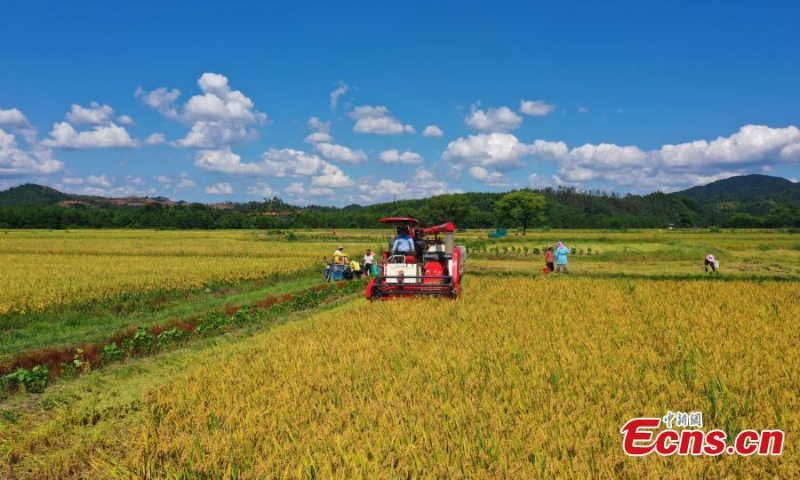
column 422, row 184
column 225, row 161
column 752, row 148
column 394, row 156
column 155, row 139
column 17, row 162
column 72, row 181
column 340, row 153
column 501, row 151
column 134, row 179
column 340, row 90
column 261, row 189
column 276, row 163
column 222, row 188
column 583, row 110
column 536, row 108
column 162, row 179
column 319, row 137
column 161, row 100
column 99, row 180
column 491, row 179
column 377, row 120
column 64, row 135
column 95, row 115
column 14, row 120
column 320, row 131
column 125, row 120
column 219, row 117
column 500, row 119
column 432, row 131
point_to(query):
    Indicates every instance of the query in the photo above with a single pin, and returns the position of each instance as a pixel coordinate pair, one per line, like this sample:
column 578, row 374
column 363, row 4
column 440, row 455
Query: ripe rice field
column 525, row 376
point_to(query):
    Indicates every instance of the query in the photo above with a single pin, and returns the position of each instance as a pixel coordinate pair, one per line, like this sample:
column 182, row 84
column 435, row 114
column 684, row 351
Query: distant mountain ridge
column 750, row 201
column 39, row 195
column 744, row 187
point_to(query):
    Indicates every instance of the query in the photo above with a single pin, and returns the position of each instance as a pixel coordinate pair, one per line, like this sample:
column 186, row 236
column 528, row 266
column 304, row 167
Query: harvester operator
column 403, row 243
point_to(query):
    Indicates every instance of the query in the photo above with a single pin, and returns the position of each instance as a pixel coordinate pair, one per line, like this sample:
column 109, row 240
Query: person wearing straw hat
column 338, row 255
column 713, row 263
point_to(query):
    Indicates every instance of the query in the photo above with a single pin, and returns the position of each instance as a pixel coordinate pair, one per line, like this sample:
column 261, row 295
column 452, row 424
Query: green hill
column 745, row 187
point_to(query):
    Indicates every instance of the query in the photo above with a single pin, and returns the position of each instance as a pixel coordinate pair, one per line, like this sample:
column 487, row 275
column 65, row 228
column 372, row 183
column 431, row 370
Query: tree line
column 556, row 208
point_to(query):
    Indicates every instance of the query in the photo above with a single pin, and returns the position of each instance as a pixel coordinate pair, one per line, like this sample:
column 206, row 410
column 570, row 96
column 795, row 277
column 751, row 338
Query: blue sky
column 213, row 101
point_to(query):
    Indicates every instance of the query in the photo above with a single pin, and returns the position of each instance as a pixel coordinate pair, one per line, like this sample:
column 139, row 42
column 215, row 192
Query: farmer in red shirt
column 548, row 257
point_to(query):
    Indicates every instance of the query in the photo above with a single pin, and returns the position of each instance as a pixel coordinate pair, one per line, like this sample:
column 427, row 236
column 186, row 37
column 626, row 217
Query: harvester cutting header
column 420, row 261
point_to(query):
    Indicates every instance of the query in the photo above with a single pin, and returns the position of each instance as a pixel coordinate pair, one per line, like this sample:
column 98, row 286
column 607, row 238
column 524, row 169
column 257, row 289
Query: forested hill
column 746, row 201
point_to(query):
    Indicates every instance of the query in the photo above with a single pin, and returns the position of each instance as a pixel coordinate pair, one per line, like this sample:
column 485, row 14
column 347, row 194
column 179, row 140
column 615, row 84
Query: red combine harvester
column 434, row 267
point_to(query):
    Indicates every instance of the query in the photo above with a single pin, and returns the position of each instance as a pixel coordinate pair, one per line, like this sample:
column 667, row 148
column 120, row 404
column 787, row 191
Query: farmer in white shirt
column 369, row 259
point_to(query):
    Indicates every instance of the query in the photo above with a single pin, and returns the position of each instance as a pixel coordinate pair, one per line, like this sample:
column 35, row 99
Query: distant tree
column 446, row 208
column 524, row 207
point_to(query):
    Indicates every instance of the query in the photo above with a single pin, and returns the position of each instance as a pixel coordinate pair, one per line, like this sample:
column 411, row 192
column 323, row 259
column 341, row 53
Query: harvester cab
column 433, row 267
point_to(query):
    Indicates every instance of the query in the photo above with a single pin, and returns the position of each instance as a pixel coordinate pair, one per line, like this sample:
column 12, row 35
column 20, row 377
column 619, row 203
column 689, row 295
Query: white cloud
column 340, row 153
column 583, row 110
column 422, row 184
column 95, row 115
column 16, row 162
column 319, row 137
column 340, row 90
column 500, row 119
column 320, row 131
column 125, row 120
column 619, row 110
column 225, row 161
column 219, row 117
column 134, row 179
column 214, row 134
column 222, row 188
column 331, row 176
column 394, row 156
column 297, row 189
column 72, row 181
column 491, row 179
column 432, row 131
column 537, row 108
column 292, row 163
column 186, row 182
column 64, row 135
column 261, row 189
column 161, row 100
column 502, row 151
column 317, row 125
column 155, row 139
column 14, row 120
column 162, row 179
column 377, row 120
column 99, row 180
column 220, row 103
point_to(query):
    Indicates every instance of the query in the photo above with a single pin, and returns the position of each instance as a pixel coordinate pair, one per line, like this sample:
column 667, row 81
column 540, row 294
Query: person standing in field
column 561, row 257
column 369, row 259
column 549, row 258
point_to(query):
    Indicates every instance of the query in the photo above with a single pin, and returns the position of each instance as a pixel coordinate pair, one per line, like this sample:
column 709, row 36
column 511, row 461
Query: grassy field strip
column 83, row 427
column 63, row 328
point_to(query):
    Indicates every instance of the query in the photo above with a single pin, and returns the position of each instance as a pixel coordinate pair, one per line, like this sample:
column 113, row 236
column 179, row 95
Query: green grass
column 67, row 327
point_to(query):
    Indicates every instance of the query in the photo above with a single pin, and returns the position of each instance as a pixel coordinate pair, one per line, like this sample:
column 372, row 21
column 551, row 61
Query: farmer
column 713, row 263
column 403, row 243
column 369, row 259
column 355, row 267
column 561, row 257
column 338, row 255
column 548, row 257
